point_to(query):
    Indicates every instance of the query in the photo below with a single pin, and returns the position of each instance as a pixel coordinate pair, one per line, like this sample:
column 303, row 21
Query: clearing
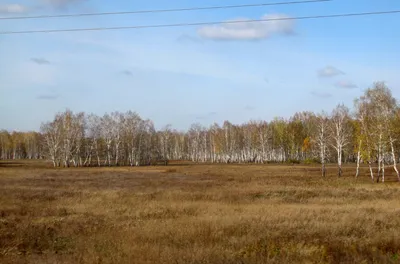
column 187, row 213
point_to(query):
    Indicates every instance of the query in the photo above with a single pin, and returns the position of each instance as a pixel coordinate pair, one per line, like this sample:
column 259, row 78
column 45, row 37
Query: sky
column 194, row 74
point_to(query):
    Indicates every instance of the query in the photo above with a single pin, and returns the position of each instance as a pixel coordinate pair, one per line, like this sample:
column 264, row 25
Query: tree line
column 370, row 134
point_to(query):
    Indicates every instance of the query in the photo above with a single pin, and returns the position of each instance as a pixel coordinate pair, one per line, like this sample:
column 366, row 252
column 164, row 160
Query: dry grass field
column 195, row 214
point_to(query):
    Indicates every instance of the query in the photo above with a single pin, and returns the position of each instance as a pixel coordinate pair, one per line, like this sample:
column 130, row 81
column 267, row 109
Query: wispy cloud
column 12, row 9
column 329, row 71
column 40, row 61
column 127, row 72
column 49, row 97
column 43, row 4
column 321, row 94
column 346, row 85
column 61, row 4
column 249, row 30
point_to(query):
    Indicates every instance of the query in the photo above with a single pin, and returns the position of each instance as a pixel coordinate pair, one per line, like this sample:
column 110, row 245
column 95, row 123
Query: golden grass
column 195, row 214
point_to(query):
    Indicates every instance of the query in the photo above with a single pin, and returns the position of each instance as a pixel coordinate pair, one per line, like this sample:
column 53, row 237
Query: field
column 195, row 214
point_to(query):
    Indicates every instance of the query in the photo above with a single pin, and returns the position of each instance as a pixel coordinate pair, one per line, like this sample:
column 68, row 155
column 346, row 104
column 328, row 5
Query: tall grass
column 196, row 214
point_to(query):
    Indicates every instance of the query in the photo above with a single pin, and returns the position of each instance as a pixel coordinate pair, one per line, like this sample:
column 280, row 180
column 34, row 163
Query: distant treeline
column 371, row 134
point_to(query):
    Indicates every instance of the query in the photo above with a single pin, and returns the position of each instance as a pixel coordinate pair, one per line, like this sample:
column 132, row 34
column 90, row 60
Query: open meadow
column 187, row 213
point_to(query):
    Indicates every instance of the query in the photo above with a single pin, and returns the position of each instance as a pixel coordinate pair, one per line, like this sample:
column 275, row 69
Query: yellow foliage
column 306, row 144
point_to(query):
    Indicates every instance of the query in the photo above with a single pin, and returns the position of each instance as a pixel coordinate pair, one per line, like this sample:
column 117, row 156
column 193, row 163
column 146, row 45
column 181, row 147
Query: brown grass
column 195, row 214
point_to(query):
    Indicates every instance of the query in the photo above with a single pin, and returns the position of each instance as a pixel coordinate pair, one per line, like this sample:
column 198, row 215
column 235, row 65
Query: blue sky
column 186, row 75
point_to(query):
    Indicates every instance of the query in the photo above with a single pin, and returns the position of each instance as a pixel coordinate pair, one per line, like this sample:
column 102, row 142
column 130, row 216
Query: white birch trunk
column 358, row 158
column 394, row 159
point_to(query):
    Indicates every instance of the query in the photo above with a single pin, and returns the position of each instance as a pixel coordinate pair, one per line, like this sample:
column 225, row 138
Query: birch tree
column 52, row 132
column 279, row 140
column 364, row 117
column 149, row 145
column 107, row 133
column 133, row 132
column 263, row 135
column 358, row 141
column 384, row 107
column 215, row 144
column 72, row 126
column 117, row 121
column 94, row 130
column 194, row 142
column 17, row 141
column 32, row 145
column 322, row 140
column 5, row 144
column 340, row 132
column 165, row 143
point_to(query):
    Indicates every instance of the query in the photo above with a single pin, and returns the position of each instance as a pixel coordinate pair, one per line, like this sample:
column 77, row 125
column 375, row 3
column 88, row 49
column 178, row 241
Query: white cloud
column 249, row 30
column 54, row 4
column 12, row 9
column 62, row 3
column 346, row 84
column 330, row 71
